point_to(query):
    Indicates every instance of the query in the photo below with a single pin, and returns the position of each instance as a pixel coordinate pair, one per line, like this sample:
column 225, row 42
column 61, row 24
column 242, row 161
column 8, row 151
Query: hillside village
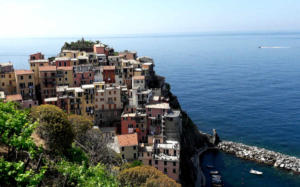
column 121, row 92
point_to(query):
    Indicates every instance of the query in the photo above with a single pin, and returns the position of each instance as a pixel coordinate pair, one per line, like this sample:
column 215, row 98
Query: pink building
column 101, row 49
column 81, row 78
column 163, row 156
column 157, row 110
column 135, row 123
column 36, row 56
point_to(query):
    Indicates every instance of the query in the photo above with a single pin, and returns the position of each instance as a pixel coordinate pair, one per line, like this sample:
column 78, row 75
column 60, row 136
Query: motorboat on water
column 210, row 166
column 214, row 172
column 255, row 172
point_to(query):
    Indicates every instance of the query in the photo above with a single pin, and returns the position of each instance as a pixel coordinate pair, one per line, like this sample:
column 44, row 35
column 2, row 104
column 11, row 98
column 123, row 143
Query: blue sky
column 20, row 18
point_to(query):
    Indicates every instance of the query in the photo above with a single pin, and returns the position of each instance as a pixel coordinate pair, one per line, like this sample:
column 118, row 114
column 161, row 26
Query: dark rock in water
column 215, row 138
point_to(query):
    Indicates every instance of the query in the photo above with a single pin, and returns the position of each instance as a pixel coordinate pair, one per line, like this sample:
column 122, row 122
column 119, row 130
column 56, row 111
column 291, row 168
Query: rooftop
column 83, row 57
column 17, row 97
column 87, row 86
column 48, row 68
column 62, row 58
column 23, row 72
column 173, row 113
column 159, row 106
column 128, row 140
column 50, row 99
column 66, row 68
column 139, row 77
column 40, row 61
column 129, row 115
column 108, row 67
column 6, row 64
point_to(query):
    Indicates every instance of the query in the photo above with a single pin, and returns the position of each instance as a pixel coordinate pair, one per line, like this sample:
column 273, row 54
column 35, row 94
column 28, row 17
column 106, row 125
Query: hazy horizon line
column 158, row 34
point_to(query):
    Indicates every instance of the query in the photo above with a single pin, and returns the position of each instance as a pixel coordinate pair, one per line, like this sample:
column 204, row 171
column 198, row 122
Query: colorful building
column 128, row 145
column 47, row 81
column 7, row 78
column 108, row 73
column 65, row 76
column 25, row 84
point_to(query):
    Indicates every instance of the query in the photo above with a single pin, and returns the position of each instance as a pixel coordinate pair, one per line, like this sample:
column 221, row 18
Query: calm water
column 223, row 81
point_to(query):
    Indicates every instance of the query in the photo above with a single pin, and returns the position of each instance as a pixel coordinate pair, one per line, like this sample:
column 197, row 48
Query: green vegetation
column 18, row 148
column 145, row 176
column 71, row 152
column 83, row 175
column 54, row 127
column 81, row 45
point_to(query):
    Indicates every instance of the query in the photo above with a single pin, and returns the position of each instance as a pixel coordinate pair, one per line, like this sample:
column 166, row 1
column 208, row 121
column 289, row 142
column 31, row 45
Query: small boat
column 255, row 172
column 210, row 166
column 214, row 172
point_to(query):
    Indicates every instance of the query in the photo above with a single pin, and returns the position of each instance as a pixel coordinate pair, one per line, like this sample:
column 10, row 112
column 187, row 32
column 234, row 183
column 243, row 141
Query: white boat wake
column 272, row 47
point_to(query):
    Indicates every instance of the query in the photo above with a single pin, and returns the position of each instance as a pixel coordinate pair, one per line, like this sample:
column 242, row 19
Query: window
column 65, row 64
column 150, row 162
column 174, row 170
column 174, row 152
column 156, row 162
column 165, row 170
column 21, row 77
column 123, row 156
column 3, row 84
column 134, row 155
column 29, row 76
column 123, row 148
column 174, row 163
column 134, row 147
column 165, row 163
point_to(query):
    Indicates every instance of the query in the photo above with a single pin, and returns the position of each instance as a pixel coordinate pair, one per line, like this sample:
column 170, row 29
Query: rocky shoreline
column 261, row 155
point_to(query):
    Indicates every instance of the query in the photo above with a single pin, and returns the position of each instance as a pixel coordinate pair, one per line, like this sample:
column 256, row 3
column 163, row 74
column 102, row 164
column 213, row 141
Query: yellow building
column 25, row 84
column 47, row 76
column 7, row 78
column 35, row 65
column 128, row 145
column 65, row 76
column 88, row 100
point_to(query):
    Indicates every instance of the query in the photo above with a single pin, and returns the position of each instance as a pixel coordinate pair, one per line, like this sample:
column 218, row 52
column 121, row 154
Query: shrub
column 83, row 175
column 53, row 127
column 144, row 175
column 80, row 124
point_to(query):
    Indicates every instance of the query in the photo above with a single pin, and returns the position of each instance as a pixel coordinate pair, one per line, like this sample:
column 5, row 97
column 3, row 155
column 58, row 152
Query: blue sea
column 223, row 81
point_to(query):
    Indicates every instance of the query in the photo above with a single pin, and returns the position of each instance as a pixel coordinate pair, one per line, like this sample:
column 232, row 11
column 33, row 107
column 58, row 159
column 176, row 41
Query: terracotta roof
column 17, row 97
column 66, row 68
column 47, row 68
column 128, row 139
column 108, row 67
column 23, row 72
column 139, row 77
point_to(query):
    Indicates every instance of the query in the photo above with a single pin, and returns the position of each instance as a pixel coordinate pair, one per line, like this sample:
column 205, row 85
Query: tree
column 95, row 146
column 80, row 124
column 145, row 176
column 54, row 127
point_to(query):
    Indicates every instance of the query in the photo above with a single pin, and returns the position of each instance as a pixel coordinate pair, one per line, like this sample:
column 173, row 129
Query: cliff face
column 191, row 141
